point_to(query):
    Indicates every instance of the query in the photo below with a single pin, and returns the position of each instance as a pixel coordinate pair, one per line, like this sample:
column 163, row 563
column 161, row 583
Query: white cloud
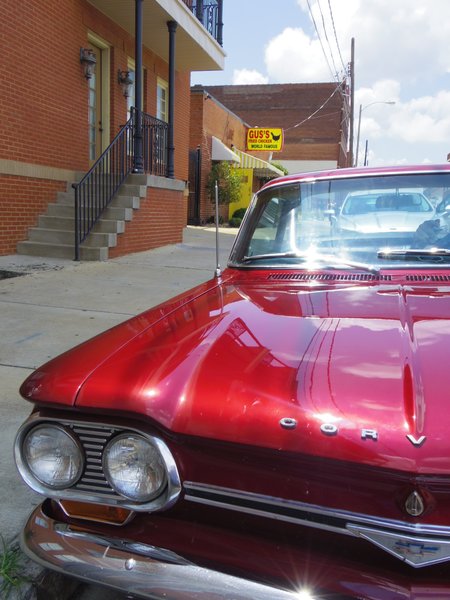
column 425, row 119
column 293, row 57
column 248, row 77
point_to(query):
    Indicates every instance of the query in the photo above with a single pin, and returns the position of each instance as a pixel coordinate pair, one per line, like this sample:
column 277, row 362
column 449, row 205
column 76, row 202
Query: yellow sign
column 259, row 138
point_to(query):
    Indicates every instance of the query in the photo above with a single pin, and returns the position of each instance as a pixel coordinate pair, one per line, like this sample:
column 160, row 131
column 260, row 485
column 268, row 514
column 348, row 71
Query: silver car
column 384, row 213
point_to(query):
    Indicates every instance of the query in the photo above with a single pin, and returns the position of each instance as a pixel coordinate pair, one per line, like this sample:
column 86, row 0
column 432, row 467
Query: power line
column 327, row 40
column 320, row 39
column 335, row 36
column 312, row 115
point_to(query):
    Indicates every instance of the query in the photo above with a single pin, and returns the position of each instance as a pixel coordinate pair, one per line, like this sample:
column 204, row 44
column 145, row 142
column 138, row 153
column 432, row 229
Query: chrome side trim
column 92, row 485
column 140, row 570
column 396, row 537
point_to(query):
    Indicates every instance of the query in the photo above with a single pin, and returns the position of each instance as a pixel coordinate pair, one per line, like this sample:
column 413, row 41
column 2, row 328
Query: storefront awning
column 221, row 152
column 261, row 167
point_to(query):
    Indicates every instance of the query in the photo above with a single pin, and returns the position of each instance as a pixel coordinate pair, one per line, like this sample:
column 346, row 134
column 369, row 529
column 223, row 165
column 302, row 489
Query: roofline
column 200, row 89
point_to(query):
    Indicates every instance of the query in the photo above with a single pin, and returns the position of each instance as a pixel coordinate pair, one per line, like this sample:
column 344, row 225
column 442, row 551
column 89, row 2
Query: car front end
column 277, row 432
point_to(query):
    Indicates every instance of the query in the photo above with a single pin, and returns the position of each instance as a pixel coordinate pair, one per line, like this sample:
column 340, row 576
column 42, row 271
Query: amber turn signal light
column 96, row 512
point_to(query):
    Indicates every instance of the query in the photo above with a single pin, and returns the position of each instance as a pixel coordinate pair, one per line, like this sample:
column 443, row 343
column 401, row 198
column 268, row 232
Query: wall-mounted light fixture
column 88, row 60
column 125, row 82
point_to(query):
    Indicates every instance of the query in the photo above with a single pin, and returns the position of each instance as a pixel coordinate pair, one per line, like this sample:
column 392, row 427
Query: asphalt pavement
column 48, row 306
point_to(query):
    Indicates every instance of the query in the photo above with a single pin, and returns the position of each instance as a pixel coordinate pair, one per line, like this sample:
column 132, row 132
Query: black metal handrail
column 97, row 188
column 154, row 142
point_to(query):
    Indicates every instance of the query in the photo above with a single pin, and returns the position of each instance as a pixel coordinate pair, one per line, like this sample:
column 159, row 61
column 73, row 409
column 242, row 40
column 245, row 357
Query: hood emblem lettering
column 414, row 504
column 369, row 434
column 288, row 423
column 330, row 429
column 416, row 441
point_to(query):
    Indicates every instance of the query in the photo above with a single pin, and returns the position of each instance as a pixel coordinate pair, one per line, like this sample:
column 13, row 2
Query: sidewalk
column 55, row 304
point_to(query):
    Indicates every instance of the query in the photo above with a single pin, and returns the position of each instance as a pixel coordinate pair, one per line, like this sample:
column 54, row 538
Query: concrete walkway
column 56, row 304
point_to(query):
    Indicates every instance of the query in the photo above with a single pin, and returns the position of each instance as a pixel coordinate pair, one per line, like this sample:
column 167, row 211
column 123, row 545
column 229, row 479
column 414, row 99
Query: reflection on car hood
column 389, row 221
column 230, row 361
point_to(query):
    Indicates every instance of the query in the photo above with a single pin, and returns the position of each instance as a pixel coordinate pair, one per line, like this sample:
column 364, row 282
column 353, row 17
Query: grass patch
column 11, row 569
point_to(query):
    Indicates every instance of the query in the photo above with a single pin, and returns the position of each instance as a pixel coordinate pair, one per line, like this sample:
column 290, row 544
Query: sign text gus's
column 259, row 138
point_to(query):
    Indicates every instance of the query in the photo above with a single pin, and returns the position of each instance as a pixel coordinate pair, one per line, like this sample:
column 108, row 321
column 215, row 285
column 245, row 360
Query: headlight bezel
column 168, row 496
column 107, row 470
column 30, row 475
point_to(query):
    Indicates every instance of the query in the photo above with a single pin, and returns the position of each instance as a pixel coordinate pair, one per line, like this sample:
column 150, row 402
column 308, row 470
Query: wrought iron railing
column 209, row 13
column 154, row 140
column 95, row 191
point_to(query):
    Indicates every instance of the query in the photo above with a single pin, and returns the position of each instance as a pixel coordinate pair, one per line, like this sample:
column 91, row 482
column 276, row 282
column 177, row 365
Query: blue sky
column 401, row 55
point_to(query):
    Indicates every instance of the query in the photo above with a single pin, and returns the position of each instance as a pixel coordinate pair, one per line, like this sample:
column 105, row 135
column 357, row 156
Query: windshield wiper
column 332, row 262
column 269, row 255
column 426, row 254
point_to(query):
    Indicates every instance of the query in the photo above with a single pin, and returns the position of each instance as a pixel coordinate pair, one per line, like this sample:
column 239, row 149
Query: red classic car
column 279, row 432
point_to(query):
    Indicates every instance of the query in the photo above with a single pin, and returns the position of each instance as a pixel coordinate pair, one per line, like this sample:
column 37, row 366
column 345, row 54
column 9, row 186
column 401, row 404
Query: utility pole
column 351, row 161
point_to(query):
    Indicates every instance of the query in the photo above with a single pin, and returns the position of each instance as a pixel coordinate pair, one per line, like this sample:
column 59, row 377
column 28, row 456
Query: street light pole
column 361, row 108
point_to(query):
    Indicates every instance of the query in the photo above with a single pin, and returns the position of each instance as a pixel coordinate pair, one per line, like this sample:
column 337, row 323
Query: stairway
column 54, row 234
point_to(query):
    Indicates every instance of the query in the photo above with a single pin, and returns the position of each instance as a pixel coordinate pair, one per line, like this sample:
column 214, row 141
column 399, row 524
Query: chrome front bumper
column 141, row 570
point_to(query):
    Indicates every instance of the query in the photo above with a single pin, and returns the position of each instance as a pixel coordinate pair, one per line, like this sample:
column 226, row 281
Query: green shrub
column 239, row 213
column 234, row 222
column 228, row 182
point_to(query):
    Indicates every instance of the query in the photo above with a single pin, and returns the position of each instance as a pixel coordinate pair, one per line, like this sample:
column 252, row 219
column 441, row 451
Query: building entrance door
column 95, row 104
column 195, row 169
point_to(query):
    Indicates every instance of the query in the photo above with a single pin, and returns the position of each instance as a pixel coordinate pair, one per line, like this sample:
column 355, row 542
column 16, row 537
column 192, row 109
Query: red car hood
column 362, row 369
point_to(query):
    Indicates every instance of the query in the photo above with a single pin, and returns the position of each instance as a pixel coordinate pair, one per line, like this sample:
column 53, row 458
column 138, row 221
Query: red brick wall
column 22, row 201
column 43, row 105
column 158, row 222
column 291, row 106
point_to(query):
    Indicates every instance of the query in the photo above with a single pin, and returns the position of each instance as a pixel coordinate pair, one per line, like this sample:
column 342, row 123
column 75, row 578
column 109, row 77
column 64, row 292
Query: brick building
column 216, row 134
column 314, row 117
column 75, row 70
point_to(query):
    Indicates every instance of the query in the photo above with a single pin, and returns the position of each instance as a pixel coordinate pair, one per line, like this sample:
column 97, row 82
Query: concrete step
column 31, row 248
column 137, row 179
column 50, row 236
column 60, row 210
column 112, row 212
column 60, row 236
column 67, row 199
column 117, row 212
column 67, row 223
column 129, row 189
column 133, row 202
column 109, row 226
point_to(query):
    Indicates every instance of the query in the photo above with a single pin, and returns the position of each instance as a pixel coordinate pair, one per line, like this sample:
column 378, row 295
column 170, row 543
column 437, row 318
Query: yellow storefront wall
column 246, row 191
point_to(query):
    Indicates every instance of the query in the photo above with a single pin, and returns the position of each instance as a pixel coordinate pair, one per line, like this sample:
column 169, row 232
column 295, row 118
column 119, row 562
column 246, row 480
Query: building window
column 162, row 100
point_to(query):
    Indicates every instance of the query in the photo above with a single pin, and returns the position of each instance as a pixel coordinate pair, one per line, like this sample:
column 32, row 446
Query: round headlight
column 53, row 456
column 134, row 467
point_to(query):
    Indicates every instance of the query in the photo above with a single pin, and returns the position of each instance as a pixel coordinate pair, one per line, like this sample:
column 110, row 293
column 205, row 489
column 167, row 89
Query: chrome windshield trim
column 311, row 515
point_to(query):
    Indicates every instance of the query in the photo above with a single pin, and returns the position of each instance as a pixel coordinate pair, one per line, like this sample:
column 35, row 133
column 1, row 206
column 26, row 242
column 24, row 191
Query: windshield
column 370, row 222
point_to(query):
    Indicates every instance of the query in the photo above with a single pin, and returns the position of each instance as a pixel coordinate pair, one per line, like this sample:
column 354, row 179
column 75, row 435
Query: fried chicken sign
column 259, row 138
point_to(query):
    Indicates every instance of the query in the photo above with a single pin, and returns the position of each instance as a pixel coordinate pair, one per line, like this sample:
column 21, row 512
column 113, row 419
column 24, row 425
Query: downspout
column 172, row 26
column 138, row 160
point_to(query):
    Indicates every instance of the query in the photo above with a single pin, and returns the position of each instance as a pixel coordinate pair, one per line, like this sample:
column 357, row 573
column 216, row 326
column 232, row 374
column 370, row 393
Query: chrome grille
column 94, row 439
